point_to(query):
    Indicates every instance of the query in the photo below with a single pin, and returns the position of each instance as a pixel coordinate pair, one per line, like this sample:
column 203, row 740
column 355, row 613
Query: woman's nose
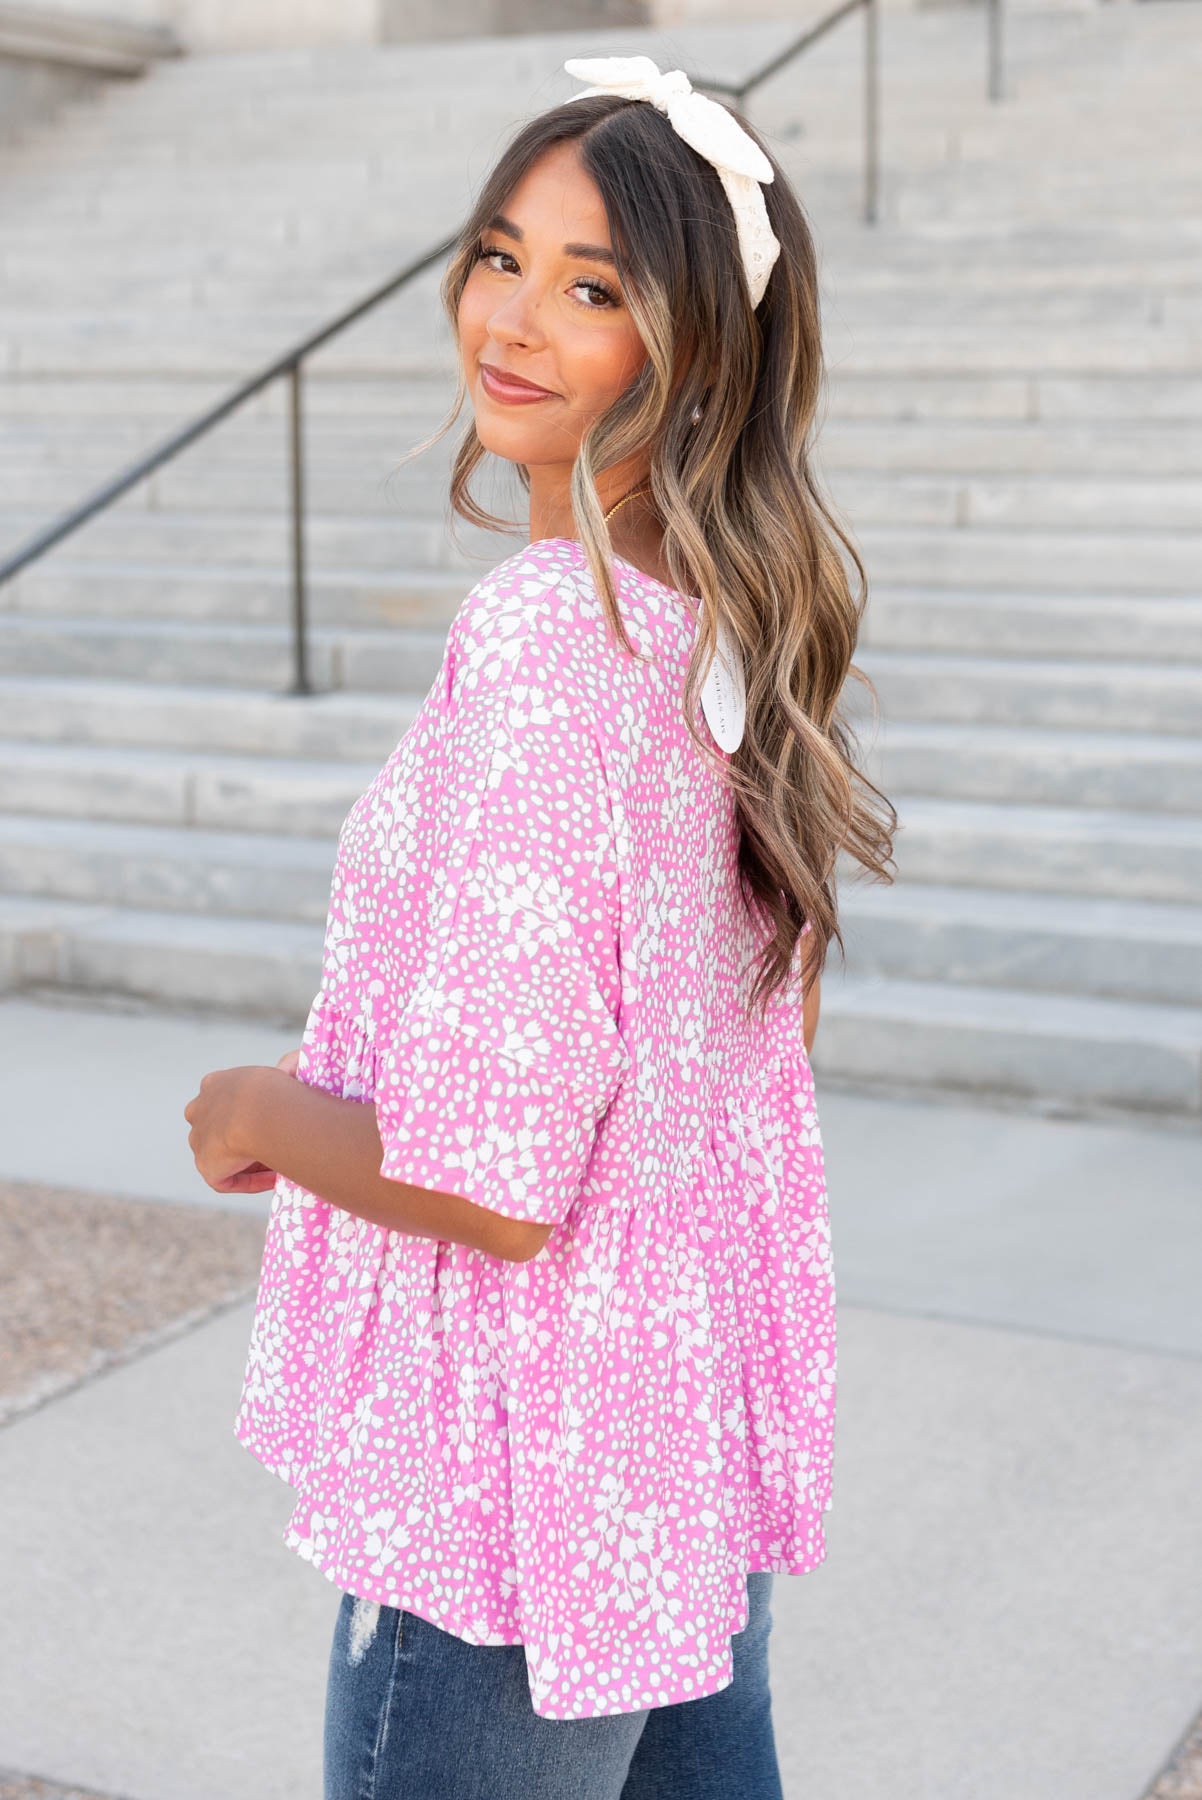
column 516, row 319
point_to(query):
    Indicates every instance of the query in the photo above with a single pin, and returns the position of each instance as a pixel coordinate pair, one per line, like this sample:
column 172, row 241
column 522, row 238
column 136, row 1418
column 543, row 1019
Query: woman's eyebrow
column 590, row 252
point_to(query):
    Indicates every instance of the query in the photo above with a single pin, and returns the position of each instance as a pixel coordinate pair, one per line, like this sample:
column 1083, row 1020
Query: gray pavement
column 1010, row 1608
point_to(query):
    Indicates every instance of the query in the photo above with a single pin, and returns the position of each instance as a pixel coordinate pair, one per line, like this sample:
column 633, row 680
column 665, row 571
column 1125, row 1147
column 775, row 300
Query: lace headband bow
column 712, row 132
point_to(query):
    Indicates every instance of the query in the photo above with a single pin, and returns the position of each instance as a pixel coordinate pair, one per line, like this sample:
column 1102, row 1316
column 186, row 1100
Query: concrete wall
column 135, row 12
column 31, row 89
column 232, row 24
column 49, row 56
column 217, row 25
column 411, row 20
column 798, row 13
column 275, row 24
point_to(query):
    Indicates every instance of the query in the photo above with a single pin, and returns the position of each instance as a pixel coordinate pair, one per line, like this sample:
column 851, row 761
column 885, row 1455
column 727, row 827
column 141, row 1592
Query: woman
column 545, row 1331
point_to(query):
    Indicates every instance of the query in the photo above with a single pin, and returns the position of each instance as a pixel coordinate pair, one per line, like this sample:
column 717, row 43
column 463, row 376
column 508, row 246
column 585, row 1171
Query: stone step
column 1102, row 562
column 961, row 348
column 1051, row 274
column 133, row 268
column 153, row 406
column 1050, row 849
column 1015, row 197
column 56, row 586
column 227, row 349
column 1118, row 771
column 114, row 210
column 1045, row 501
column 258, row 657
column 1012, row 623
column 251, row 441
column 194, row 869
column 331, row 727
column 147, row 785
column 1058, row 1053
column 1078, row 695
column 362, row 485
column 198, row 347
column 131, row 533
column 265, row 969
column 1048, row 943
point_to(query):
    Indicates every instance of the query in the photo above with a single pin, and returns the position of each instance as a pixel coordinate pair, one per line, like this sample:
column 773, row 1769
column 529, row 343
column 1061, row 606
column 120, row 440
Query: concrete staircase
column 1014, row 437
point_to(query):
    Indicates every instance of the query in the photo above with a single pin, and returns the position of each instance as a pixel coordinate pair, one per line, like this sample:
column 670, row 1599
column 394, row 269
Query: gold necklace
column 640, row 488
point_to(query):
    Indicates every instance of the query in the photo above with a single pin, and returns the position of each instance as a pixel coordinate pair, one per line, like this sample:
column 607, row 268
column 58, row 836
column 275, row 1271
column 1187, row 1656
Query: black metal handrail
column 739, row 90
column 995, row 49
column 290, row 364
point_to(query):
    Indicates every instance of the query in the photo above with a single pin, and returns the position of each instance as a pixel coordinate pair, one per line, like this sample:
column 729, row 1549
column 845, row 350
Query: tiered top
column 534, row 968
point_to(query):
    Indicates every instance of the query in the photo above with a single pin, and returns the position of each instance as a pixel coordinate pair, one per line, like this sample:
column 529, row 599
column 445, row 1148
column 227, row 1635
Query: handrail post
column 872, row 111
column 995, row 48
column 300, row 673
column 872, row 86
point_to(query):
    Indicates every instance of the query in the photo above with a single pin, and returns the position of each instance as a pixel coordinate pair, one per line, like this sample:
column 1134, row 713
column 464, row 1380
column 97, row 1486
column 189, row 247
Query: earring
column 696, row 414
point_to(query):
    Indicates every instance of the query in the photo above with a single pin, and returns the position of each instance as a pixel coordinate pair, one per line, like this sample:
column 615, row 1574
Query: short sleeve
column 508, row 1053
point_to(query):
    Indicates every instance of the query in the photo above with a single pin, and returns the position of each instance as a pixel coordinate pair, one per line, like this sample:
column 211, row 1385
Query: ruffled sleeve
column 505, row 1057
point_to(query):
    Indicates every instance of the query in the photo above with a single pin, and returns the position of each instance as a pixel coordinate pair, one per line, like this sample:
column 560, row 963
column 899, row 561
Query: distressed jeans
column 414, row 1713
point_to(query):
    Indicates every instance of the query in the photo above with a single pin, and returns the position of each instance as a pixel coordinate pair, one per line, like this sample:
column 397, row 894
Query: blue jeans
column 420, row 1712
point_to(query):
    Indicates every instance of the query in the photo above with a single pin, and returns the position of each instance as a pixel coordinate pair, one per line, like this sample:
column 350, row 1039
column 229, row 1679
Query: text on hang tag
column 724, row 691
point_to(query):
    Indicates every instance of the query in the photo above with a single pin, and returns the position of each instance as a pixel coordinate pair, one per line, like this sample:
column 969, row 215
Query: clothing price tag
column 724, row 692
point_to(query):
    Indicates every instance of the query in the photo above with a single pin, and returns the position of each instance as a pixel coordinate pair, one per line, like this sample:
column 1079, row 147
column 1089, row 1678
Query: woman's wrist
column 262, row 1096
column 328, row 1143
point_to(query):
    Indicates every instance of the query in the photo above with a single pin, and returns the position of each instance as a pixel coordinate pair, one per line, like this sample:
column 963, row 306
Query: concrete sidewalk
column 1010, row 1609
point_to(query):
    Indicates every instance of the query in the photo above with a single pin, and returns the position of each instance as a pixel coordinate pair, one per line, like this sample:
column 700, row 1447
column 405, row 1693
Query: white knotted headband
column 712, row 131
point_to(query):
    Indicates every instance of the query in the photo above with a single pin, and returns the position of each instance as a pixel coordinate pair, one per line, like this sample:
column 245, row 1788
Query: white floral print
column 535, row 964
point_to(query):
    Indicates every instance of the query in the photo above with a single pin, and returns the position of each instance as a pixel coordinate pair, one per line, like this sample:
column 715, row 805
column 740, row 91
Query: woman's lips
column 509, row 392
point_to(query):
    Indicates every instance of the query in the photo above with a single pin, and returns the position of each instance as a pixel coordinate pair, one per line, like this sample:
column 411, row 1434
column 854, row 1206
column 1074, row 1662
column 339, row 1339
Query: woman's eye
column 591, row 286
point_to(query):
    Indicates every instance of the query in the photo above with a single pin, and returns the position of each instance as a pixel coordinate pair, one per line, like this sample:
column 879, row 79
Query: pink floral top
column 534, row 967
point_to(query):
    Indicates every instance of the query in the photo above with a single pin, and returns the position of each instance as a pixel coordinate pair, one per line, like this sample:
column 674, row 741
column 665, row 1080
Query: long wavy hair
column 745, row 527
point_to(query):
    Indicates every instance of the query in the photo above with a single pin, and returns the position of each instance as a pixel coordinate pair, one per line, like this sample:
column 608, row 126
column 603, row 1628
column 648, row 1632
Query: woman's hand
column 219, row 1116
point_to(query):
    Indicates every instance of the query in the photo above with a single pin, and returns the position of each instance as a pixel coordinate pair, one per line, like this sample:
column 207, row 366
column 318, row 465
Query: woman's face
column 544, row 303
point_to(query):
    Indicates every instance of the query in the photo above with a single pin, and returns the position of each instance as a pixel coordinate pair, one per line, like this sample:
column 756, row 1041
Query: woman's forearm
column 332, row 1147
